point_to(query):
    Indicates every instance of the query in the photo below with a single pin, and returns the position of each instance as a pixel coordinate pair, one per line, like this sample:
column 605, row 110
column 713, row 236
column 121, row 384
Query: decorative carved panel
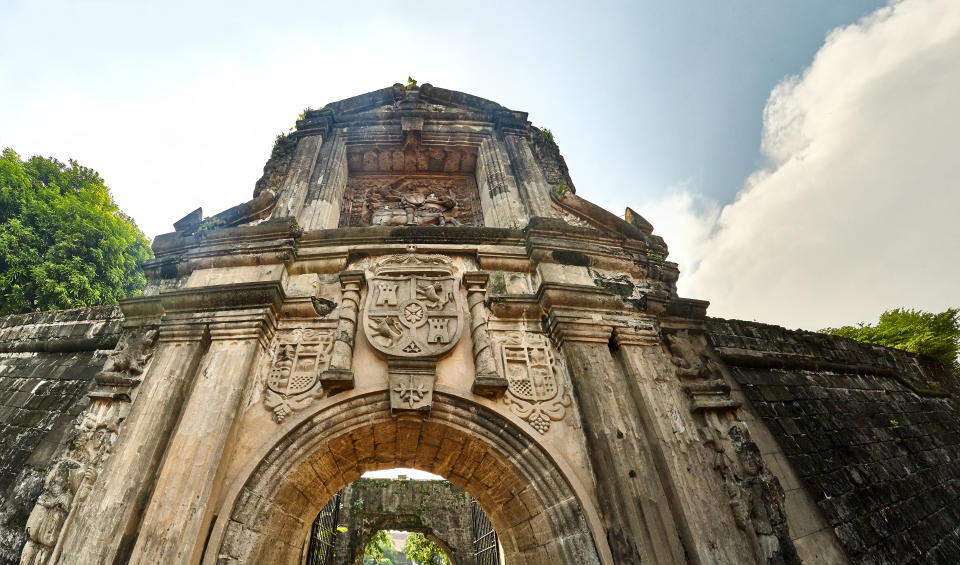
column 411, row 200
column 297, row 359
column 414, row 307
column 537, row 390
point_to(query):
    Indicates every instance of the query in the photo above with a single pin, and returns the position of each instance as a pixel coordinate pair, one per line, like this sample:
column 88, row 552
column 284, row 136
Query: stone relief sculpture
column 293, row 377
column 414, row 308
column 413, row 315
column 536, row 389
column 91, row 439
column 129, row 360
column 755, row 496
column 384, row 200
column 699, row 375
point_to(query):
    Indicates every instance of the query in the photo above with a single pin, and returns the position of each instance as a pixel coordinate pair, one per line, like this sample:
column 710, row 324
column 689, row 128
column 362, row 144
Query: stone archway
column 439, row 510
column 531, row 504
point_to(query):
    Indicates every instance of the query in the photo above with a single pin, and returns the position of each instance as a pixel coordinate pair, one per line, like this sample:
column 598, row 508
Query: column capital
column 476, row 281
column 580, row 327
column 352, row 280
column 642, row 334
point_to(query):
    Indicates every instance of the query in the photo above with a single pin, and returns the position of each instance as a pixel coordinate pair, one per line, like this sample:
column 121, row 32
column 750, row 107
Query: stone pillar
column 487, row 380
column 502, row 206
column 177, row 518
column 686, row 412
column 339, row 375
column 293, row 192
column 327, row 185
column 635, row 509
column 533, row 186
column 107, row 523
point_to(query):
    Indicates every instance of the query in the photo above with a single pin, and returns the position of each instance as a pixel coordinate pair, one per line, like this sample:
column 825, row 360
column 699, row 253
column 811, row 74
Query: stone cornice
column 268, row 294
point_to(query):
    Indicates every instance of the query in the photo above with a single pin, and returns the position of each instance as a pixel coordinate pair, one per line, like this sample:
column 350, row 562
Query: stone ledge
column 64, row 331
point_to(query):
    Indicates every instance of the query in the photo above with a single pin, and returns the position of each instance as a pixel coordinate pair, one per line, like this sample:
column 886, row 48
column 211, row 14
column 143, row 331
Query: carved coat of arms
column 536, row 390
column 413, row 308
column 292, row 379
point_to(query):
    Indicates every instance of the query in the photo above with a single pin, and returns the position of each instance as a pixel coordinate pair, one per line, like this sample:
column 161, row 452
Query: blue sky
column 643, row 96
column 656, row 105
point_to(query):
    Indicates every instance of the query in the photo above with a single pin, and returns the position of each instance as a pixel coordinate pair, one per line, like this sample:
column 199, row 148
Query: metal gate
column 323, row 536
column 485, row 546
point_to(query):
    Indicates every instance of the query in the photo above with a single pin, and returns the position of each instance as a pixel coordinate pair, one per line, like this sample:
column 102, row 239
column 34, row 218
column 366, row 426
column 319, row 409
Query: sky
column 797, row 156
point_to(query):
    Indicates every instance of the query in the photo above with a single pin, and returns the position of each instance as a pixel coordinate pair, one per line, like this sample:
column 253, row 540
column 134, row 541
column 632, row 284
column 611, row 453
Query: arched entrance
column 530, row 502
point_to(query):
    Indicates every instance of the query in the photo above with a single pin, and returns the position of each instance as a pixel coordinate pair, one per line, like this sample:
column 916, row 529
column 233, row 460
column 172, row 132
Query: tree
column 423, row 551
column 380, row 550
column 64, row 243
column 916, row 331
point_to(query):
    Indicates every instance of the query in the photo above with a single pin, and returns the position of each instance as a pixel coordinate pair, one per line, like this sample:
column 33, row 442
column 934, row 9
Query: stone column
column 487, row 380
column 106, row 524
column 293, row 192
column 502, row 205
column 689, row 460
column 533, row 186
column 339, row 375
column 177, row 518
column 327, row 185
column 635, row 509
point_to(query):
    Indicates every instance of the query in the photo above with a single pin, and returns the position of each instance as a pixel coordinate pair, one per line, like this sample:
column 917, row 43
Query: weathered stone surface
column 415, row 284
column 437, row 509
column 865, row 430
column 47, row 362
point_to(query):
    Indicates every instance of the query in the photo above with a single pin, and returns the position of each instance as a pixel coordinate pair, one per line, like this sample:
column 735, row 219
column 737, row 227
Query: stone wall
column 872, row 433
column 438, row 509
column 47, row 360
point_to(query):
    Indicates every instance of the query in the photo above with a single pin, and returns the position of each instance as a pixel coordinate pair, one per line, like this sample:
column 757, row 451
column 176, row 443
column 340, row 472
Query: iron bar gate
column 486, row 550
column 323, row 535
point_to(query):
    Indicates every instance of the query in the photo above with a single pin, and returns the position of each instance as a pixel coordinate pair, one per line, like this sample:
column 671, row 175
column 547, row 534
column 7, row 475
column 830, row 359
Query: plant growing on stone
column 420, row 549
column 916, row 331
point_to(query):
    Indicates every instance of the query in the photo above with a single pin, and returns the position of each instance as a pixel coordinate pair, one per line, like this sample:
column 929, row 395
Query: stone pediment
column 425, row 100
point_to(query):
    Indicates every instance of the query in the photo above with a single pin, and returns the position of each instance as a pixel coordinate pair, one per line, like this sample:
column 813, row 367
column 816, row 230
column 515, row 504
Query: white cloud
column 857, row 210
column 685, row 221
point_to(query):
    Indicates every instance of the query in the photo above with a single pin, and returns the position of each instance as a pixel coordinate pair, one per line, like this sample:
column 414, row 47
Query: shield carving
column 536, row 391
column 413, row 310
column 298, row 358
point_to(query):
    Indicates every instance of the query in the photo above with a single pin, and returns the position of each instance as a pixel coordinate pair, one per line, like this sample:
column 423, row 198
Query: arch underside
column 532, row 506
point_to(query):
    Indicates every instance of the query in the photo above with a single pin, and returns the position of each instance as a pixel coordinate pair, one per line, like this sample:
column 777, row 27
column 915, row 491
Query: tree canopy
column 64, row 243
column 916, row 331
column 418, row 548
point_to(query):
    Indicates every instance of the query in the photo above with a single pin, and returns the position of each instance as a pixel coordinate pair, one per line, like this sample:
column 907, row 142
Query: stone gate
column 438, row 509
column 415, row 283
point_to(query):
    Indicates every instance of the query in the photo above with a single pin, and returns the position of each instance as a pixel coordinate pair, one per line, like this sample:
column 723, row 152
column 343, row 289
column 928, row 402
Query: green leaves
column 63, row 241
column 420, row 549
column 916, row 331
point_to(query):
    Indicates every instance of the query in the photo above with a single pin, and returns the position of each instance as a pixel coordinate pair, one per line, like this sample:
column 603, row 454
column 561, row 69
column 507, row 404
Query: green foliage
column 411, row 83
column 380, row 551
column 64, row 243
column 562, row 190
column 547, row 136
column 916, row 331
column 210, row 223
column 423, row 551
column 283, row 143
column 377, row 546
